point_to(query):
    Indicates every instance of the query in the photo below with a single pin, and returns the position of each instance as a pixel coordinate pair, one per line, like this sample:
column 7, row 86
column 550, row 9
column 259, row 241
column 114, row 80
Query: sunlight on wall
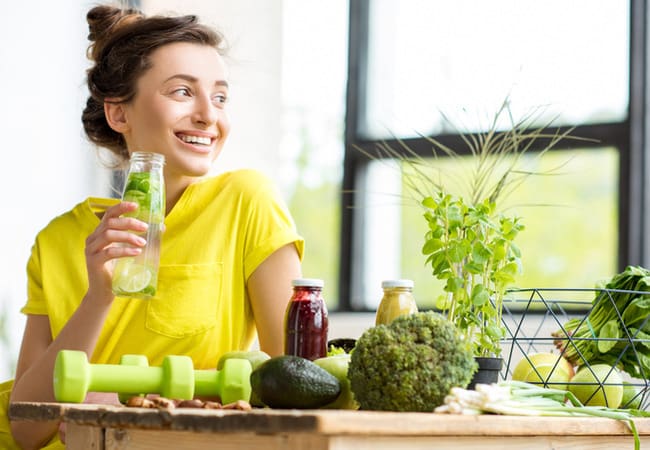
column 49, row 167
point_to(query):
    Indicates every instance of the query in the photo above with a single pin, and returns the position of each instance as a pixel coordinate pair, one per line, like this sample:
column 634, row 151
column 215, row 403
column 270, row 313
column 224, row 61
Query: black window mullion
column 355, row 110
column 589, row 136
column 633, row 199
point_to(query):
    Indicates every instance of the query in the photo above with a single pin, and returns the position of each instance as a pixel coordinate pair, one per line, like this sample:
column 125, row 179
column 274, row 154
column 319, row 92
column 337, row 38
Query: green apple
column 598, row 385
column 550, row 369
column 631, row 396
column 337, row 365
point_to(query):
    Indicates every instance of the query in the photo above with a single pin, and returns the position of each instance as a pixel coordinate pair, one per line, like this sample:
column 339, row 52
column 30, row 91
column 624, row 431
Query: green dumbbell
column 231, row 383
column 74, row 377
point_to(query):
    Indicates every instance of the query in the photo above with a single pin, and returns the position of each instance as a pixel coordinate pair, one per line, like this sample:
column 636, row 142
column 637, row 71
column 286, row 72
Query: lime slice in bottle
column 132, row 278
column 144, row 185
column 138, row 197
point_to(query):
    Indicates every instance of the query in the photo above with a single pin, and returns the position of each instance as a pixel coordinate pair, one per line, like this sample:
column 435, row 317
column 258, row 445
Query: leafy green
column 616, row 328
column 333, row 351
column 470, row 248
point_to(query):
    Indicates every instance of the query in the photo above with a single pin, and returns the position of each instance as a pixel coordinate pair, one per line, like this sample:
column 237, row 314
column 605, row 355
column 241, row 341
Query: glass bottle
column 397, row 301
column 137, row 276
column 306, row 323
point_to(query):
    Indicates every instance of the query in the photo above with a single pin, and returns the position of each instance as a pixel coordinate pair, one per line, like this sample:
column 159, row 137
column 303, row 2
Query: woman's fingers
column 114, row 228
column 97, row 242
column 116, row 236
column 119, row 209
column 113, row 218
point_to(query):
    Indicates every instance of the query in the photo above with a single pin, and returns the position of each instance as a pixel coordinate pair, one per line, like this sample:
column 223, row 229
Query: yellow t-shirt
column 217, row 234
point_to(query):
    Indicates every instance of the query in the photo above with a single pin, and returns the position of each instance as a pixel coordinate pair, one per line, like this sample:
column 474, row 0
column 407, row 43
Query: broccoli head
column 409, row 365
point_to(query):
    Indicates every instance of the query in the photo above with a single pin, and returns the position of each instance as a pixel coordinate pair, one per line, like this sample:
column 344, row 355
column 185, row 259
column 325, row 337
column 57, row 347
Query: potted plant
column 471, row 248
column 469, row 241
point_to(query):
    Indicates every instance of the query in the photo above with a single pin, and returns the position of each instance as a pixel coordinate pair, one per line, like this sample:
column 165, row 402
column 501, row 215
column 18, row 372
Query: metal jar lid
column 397, row 283
column 308, row 282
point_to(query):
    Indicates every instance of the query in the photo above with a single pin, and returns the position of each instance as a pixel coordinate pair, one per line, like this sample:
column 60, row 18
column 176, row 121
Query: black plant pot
column 488, row 371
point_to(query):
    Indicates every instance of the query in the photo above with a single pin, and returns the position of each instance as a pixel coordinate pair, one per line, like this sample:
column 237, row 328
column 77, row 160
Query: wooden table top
column 324, row 422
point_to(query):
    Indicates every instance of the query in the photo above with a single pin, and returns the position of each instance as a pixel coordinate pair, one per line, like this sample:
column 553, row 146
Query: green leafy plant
column 469, row 241
column 473, row 251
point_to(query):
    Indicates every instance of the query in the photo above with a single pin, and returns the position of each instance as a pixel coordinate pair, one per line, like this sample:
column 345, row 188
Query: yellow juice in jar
column 398, row 300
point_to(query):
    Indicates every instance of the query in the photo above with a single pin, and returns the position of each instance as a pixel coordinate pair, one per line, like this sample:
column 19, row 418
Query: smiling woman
column 182, row 116
column 157, row 84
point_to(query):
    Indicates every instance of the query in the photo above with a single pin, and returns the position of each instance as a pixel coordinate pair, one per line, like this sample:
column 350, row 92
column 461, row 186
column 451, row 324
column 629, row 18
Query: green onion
column 518, row 398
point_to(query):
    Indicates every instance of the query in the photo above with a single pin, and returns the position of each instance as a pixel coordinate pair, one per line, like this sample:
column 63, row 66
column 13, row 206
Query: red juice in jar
column 305, row 320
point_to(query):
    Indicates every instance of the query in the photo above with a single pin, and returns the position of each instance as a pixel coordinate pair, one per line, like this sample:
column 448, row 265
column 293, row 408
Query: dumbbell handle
column 105, row 377
column 207, row 382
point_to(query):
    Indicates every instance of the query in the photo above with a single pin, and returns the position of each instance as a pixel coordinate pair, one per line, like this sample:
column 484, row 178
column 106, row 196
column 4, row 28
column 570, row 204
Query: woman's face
column 179, row 109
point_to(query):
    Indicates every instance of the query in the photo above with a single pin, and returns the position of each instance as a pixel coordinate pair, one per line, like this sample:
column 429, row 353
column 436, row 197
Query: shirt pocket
column 186, row 301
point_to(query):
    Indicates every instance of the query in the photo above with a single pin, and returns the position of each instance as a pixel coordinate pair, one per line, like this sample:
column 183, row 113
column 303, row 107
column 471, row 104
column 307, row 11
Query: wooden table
column 104, row 427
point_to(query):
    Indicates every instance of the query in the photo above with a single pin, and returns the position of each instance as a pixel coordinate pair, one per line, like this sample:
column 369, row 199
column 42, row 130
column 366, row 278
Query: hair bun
column 103, row 21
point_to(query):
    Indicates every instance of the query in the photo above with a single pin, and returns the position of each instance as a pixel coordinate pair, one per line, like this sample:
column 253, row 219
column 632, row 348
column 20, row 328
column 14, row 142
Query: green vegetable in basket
column 598, row 385
column 631, row 396
column 616, row 331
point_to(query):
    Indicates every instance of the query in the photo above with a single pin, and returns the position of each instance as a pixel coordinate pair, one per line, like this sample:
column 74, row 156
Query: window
column 313, row 103
column 431, row 56
column 441, row 69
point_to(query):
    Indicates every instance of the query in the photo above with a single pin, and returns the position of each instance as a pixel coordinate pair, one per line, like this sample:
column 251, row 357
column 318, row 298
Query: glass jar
column 398, row 300
column 306, row 324
column 137, row 276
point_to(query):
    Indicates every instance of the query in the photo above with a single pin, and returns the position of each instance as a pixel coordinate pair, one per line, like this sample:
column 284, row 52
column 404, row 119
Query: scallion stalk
column 524, row 399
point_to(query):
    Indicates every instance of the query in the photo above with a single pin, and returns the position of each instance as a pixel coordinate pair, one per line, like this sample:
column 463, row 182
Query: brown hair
column 121, row 42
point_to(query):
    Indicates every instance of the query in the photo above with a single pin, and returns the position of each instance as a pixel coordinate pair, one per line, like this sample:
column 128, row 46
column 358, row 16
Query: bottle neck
column 395, row 291
column 313, row 289
column 398, row 289
column 146, row 162
column 307, row 293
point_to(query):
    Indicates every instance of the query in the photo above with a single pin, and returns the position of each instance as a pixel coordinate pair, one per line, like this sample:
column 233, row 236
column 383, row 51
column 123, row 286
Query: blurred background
column 314, row 82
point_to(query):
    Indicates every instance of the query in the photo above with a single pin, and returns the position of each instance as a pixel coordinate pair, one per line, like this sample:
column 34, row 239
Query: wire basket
column 557, row 321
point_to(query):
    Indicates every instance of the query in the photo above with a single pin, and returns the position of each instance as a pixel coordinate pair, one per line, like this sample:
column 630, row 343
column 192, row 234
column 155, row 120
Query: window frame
column 629, row 137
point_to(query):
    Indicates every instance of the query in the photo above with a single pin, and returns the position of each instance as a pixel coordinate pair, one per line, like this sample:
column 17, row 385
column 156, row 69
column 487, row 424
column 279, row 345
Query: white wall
column 48, row 165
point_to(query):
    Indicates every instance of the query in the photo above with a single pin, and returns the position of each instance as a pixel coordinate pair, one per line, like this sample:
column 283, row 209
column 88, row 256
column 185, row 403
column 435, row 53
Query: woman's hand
column 113, row 238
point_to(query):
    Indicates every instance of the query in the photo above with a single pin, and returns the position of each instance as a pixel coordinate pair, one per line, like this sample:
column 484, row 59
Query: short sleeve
column 269, row 226
column 35, row 298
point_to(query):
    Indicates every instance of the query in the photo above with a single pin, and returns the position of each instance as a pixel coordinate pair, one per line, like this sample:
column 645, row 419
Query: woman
column 230, row 248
